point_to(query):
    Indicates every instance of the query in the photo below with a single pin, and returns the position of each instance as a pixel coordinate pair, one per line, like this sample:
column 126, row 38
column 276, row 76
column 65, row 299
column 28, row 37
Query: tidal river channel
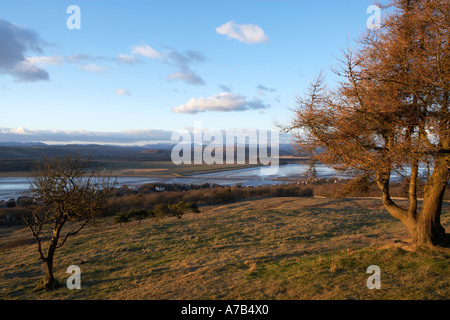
column 14, row 187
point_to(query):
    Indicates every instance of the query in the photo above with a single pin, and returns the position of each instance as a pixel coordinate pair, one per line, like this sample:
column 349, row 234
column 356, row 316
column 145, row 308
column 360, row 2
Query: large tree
column 390, row 112
column 71, row 196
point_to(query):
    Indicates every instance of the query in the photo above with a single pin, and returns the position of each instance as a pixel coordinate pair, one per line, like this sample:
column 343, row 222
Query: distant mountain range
column 35, row 150
column 96, row 152
column 21, row 144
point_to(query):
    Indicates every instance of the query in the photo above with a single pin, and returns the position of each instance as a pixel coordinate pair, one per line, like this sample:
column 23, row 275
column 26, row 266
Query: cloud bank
column 223, row 102
column 125, row 138
column 15, row 41
column 81, row 136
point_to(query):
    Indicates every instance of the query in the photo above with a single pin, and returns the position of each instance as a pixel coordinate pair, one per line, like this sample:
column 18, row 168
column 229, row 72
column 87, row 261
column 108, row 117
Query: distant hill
column 36, row 152
column 31, row 151
column 21, row 144
column 23, row 156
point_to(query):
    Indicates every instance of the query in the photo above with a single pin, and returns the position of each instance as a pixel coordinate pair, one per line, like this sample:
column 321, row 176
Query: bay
column 13, row 187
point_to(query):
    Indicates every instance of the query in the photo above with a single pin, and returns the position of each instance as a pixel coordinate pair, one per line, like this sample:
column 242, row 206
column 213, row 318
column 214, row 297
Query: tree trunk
column 50, row 281
column 424, row 228
column 429, row 230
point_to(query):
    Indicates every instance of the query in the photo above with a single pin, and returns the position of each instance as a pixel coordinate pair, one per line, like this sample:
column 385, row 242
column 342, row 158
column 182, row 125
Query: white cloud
column 225, row 102
column 128, row 59
column 43, row 61
column 96, row 69
column 146, row 51
column 248, row 33
column 182, row 61
column 20, row 130
column 187, row 76
column 123, row 92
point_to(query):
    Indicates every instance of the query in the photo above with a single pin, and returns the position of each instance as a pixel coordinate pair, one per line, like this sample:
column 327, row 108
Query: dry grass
column 273, row 248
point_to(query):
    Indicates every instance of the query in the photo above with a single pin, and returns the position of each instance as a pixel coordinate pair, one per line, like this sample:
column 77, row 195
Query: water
column 285, row 171
column 14, row 187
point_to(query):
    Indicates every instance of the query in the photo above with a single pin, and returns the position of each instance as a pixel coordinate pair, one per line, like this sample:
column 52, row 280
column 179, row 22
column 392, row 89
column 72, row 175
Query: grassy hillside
column 272, row 248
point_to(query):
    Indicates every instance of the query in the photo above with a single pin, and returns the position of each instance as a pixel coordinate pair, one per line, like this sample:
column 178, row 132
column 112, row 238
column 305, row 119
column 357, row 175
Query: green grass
column 273, row 248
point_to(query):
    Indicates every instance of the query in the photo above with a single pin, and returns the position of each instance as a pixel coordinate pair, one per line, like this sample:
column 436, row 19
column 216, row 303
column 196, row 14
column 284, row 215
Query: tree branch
column 37, row 224
column 71, row 234
column 412, row 210
column 393, row 209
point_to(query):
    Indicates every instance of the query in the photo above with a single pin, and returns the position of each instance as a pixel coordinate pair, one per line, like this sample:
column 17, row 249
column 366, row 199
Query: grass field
column 270, row 248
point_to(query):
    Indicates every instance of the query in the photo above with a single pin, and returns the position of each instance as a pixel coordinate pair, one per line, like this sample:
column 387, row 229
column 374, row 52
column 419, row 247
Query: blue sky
column 136, row 66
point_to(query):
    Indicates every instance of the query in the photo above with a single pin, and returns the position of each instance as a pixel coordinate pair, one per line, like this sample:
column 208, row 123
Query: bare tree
column 71, row 196
column 390, row 112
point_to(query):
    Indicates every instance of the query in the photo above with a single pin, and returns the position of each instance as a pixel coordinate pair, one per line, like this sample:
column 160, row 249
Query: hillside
column 23, row 157
column 271, row 248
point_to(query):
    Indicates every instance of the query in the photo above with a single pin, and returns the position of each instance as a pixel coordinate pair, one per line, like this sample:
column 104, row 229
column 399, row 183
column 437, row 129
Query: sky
column 133, row 71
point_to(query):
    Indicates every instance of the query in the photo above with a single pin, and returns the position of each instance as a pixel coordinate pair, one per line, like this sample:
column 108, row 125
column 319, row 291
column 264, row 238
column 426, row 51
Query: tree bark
column 424, row 228
column 50, row 281
column 429, row 230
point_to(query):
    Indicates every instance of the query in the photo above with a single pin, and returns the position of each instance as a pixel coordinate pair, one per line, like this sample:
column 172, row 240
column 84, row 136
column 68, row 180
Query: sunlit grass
column 273, row 248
